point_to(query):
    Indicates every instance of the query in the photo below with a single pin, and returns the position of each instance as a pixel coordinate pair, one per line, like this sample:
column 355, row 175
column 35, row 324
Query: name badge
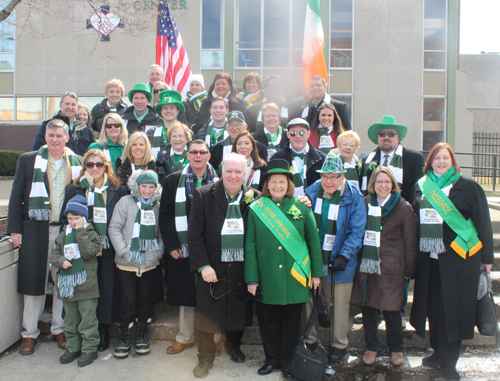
column 270, row 152
column 71, row 252
column 325, row 142
column 100, row 215
column 371, row 238
column 328, row 242
column 354, row 183
column 430, row 216
column 148, row 217
column 233, row 226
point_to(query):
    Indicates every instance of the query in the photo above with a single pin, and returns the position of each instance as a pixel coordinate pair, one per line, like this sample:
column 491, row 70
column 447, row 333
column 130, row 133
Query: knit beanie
column 197, row 78
column 77, row 205
column 147, row 177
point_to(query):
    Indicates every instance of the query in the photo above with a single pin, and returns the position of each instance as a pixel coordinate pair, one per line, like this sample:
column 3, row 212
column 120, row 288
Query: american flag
column 170, row 52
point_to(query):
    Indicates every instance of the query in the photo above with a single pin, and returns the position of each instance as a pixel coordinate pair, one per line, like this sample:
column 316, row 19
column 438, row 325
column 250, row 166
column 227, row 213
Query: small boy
column 75, row 257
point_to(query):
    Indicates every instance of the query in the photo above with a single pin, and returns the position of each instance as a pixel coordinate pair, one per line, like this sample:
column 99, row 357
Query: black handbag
column 486, row 318
column 307, row 364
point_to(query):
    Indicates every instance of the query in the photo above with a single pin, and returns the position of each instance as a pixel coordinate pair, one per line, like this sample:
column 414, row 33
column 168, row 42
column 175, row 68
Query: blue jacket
column 350, row 229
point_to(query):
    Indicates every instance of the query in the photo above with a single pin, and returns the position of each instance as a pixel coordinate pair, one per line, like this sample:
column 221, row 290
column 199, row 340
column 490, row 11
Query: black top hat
column 278, row 167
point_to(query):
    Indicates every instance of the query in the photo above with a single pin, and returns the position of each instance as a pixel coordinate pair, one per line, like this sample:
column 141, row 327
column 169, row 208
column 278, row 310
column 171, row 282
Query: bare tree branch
column 8, row 9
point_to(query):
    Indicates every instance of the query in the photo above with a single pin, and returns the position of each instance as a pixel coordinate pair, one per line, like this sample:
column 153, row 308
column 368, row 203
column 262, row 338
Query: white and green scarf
column 227, row 146
column 212, row 137
column 325, row 143
column 273, row 142
column 97, row 207
column 250, row 99
column 75, row 275
column 144, row 233
column 196, row 99
column 233, row 232
column 186, row 183
column 159, row 137
column 183, row 161
column 39, row 201
column 353, row 169
column 396, row 166
column 299, row 174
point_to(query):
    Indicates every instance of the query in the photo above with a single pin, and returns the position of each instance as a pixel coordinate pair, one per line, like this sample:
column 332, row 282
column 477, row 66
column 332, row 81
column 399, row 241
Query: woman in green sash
column 281, row 265
column 456, row 241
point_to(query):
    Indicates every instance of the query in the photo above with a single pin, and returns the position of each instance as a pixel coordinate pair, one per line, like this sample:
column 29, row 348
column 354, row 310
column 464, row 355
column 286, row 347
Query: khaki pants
column 341, row 304
column 81, row 326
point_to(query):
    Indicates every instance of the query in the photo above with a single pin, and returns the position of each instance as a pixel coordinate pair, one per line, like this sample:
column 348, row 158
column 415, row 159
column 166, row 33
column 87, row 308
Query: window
column 434, row 122
column 341, row 33
column 29, row 108
column 7, row 108
column 7, row 41
column 212, row 55
column 435, row 19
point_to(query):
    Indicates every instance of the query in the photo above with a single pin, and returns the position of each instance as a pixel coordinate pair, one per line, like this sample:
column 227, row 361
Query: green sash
column 286, row 233
column 467, row 239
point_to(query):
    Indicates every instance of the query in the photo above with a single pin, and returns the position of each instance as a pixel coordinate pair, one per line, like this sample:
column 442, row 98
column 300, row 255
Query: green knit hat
column 332, row 164
column 170, row 97
column 139, row 88
column 388, row 122
column 147, row 177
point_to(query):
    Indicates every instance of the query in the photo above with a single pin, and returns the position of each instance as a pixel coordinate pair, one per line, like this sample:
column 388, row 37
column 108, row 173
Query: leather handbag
column 309, row 364
column 486, row 318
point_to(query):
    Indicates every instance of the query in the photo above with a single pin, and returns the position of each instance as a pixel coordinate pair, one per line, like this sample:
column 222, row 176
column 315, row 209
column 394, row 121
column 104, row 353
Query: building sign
column 104, row 22
column 151, row 4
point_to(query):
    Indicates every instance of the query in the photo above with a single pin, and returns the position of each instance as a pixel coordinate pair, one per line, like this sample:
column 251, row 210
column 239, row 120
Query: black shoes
column 141, row 339
column 68, row 356
column 450, row 374
column 323, row 320
column 123, row 347
column 267, row 369
column 103, row 338
column 87, row 359
column 287, row 375
column 201, row 369
column 237, row 356
column 337, row 354
column 430, row 360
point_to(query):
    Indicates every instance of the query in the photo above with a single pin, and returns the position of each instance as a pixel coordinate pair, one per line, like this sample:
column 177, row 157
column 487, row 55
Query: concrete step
column 496, row 242
column 496, row 261
column 495, row 281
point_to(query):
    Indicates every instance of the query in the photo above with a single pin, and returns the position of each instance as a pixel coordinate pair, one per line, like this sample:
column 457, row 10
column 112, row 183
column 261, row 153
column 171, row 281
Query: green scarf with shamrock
column 75, row 275
column 232, row 233
column 144, row 233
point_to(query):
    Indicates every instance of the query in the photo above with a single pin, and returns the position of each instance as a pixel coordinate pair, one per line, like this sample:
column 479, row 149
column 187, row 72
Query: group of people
column 294, row 210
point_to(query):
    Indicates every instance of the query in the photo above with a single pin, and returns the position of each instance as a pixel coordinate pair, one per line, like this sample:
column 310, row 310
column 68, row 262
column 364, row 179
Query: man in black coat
column 80, row 135
column 36, row 236
column 307, row 108
column 180, row 280
column 302, row 156
column 140, row 116
column 219, row 307
column 235, row 125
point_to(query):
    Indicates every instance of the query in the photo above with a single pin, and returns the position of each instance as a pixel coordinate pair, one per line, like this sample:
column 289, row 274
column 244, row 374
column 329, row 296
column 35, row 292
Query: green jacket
column 115, row 150
column 269, row 264
column 89, row 244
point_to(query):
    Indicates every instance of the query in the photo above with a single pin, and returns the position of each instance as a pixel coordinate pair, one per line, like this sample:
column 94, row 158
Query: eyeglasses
column 90, row 164
column 156, row 91
column 235, row 125
column 294, row 133
column 212, row 292
column 196, row 153
column 113, row 125
column 390, row 134
column 383, row 182
column 331, row 178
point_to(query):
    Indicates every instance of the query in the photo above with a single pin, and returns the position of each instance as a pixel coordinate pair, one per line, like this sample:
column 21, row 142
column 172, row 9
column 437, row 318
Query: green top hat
column 388, row 121
column 139, row 88
column 278, row 167
column 170, row 97
column 332, row 164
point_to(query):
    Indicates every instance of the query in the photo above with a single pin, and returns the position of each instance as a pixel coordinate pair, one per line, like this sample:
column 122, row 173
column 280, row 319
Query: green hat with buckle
column 332, row 164
column 139, row 88
column 388, row 122
column 170, row 97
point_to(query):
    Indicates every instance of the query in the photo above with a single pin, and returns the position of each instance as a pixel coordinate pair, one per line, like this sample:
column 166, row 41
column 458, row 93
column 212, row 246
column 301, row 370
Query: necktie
column 386, row 161
column 295, row 154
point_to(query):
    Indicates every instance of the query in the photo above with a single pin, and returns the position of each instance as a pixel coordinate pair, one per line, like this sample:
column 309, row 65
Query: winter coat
column 80, row 137
column 115, row 150
column 100, row 110
column 125, row 169
column 190, row 113
column 459, row 277
column 269, row 264
column 398, row 255
column 151, row 120
column 206, row 218
column 121, row 227
column 315, row 160
column 203, row 114
column 260, row 137
column 351, row 224
column 89, row 245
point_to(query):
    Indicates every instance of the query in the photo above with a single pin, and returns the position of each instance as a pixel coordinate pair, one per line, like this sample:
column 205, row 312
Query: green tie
column 295, row 154
column 386, row 162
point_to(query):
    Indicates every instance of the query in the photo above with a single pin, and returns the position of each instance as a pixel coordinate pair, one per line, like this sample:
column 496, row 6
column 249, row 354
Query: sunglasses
column 390, row 134
column 90, row 165
column 294, row 133
column 156, row 91
column 195, row 153
column 113, row 125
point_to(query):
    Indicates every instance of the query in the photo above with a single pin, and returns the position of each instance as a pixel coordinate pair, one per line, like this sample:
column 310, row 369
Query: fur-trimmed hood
column 134, row 188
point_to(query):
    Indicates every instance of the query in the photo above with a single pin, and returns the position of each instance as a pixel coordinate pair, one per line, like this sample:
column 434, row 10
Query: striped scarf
column 227, row 147
column 39, row 201
column 75, row 275
column 159, row 137
column 144, row 233
column 183, row 160
column 396, row 166
column 233, row 231
column 353, row 169
column 331, row 224
column 250, row 99
column 196, row 99
column 212, row 137
column 299, row 175
column 186, row 183
column 97, row 207
column 284, row 118
column 273, row 142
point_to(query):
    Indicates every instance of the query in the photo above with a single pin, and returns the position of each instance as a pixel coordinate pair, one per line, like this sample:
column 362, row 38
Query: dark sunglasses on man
column 390, row 134
column 294, row 133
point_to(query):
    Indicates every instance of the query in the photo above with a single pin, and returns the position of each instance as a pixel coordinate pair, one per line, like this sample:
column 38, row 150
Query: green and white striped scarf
column 254, row 182
column 181, row 218
column 212, row 137
column 353, row 171
column 182, row 162
column 273, row 142
column 284, row 118
column 396, row 166
column 75, row 275
column 233, row 232
column 97, row 207
column 299, row 174
column 228, row 147
column 159, row 137
column 250, row 99
column 331, row 225
column 39, row 201
column 144, row 233
column 196, row 99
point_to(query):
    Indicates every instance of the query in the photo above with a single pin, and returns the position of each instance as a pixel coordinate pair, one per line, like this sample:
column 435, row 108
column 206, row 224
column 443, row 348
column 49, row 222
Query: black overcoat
column 459, row 277
column 206, row 218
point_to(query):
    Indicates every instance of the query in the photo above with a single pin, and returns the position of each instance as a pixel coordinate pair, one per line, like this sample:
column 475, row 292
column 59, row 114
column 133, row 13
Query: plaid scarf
column 331, row 224
column 196, row 99
column 233, row 232
column 212, row 137
column 39, row 201
column 97, row 207
column 75, row 275
column 144, row 233
column 396, row 166
column 250, row 99
column 186, row 184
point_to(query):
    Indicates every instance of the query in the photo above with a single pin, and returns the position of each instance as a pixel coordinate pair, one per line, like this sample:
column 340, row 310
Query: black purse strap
column 313, row 318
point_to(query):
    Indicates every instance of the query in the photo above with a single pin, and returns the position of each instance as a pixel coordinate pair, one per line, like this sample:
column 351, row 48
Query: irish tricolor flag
column 313, row 59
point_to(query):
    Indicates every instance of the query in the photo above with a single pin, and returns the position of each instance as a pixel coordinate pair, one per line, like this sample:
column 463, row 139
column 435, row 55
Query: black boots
column 141, row 339
column 103, row 337
column 123, row 347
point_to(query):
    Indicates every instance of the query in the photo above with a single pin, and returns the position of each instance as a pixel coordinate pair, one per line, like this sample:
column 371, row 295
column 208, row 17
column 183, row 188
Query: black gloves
column 339, row 263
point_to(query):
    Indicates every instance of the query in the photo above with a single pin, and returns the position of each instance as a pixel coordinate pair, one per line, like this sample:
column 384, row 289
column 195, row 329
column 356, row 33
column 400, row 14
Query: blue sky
column 479, row 26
